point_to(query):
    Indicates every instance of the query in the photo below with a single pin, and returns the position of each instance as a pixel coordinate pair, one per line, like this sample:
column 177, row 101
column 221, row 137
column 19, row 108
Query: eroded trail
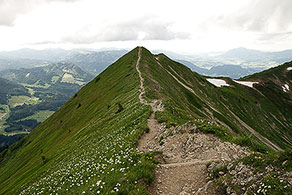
column 147, row 141
column 185, row 153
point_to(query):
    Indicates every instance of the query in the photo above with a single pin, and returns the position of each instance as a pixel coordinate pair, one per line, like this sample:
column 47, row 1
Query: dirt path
column 156, row 105
column 185, row 152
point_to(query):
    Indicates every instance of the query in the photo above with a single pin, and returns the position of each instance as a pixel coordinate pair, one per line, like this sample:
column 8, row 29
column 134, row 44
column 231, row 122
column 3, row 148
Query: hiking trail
column 182, row 169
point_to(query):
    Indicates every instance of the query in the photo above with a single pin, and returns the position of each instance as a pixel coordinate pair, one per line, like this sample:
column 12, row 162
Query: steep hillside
column 90, row 145
column 244, row 110
column 275, row 84
column 87, row 145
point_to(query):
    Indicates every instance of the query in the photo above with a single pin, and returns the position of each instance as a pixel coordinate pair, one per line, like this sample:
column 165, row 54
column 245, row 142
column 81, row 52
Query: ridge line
column 142, row 90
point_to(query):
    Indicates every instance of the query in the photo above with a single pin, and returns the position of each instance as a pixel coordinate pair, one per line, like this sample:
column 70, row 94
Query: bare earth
column 185, row 153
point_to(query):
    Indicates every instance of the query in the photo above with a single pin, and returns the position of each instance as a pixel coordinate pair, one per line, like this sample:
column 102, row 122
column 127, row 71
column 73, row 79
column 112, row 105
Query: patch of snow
column 246, row 83
column 218, row 82
column 289, row 68
column 27, row 75
column 285, row 88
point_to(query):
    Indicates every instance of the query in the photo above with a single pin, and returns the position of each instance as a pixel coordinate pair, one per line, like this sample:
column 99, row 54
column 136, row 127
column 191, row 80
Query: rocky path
column 185, row 153
column 156, row 105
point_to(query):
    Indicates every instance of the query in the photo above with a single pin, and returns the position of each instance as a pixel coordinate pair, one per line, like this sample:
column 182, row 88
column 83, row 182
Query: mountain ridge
column 98, row 129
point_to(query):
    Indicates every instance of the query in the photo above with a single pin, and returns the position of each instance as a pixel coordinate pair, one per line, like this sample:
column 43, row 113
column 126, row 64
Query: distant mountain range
column 91, row 61
column 234, row 63
column 256, row 55
column 233, row 71
column 88, row 60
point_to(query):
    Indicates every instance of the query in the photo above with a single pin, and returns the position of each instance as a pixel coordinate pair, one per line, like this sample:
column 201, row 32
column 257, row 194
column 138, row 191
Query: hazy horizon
column 155, row 50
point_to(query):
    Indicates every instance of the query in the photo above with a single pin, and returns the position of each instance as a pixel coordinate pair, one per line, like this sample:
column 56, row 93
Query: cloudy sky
column 177, row 25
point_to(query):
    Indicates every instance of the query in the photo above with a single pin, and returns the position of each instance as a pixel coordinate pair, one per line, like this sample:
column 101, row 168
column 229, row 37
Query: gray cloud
column 10, row 9
column 258, row 16
column 268, row 37
column 146, row 28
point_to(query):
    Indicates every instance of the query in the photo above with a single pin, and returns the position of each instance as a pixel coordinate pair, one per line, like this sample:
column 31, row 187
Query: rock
column 212, row 166
column 233, row 172
column 250, row 179
column 229, row 166
column 289, row 174
column 228, row 190
column 225, row 157
column 284, row 163
column 239, row 167
column 221, row 173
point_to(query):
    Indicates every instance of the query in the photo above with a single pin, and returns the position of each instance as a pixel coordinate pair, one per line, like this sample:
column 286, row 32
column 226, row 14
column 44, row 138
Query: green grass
column 277, row 159
column 36, row 85
column 40, row 116
column 5, row 114
column 20, row 100
column 55, row 79
column 215, row 173
column 69, row 78
column 221, row 132
column 274, row 186
column 30, row 91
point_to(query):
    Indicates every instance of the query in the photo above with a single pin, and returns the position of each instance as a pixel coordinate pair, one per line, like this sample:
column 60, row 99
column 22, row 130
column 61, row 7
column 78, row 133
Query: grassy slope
column 271, row 82
column 86, row 141
column 40, row 116
column 268, row 118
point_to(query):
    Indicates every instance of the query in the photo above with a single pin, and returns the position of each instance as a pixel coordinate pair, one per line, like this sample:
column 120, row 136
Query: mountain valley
column 41, row 91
